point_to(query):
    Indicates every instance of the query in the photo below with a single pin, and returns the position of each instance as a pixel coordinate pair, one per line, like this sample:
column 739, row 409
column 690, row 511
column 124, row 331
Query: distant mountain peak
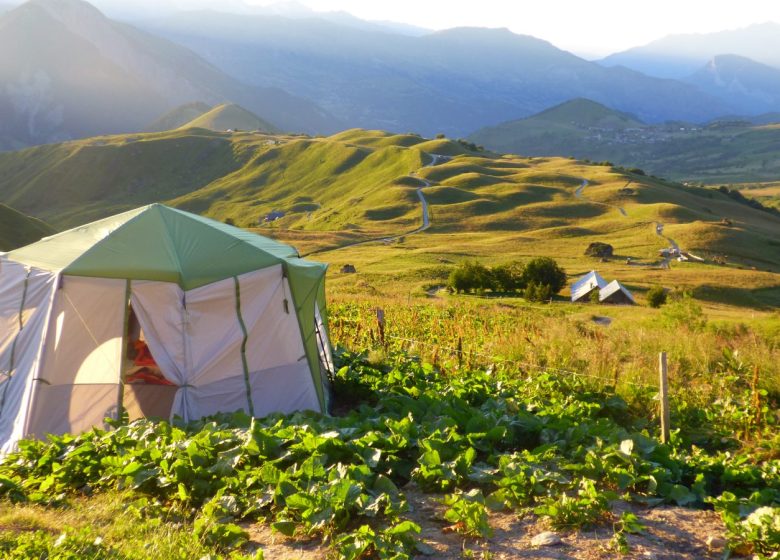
column 230, row 116
column 69, row 10
column 586, row 112
column 755, row 86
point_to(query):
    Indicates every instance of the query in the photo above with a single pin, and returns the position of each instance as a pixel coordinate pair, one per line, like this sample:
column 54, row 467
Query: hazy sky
column 587, row 27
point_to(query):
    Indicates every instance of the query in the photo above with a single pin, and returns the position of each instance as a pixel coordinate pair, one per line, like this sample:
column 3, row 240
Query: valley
column 720, row 152
column 346, row 190
column 549, row 325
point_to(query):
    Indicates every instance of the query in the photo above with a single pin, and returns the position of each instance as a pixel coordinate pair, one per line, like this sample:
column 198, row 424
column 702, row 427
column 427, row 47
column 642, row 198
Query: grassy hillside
column 721, row 152
column 359, row 186
column 230, row 117
column 71, row 183
column 767, row 194
column 17, row 230
column 179, row 116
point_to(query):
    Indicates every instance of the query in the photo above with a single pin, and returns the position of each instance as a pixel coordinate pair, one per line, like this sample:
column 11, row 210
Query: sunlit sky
column 589, row 28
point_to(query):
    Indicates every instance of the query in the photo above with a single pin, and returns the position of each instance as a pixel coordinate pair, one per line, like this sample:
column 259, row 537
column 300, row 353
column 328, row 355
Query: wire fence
column 488, row 360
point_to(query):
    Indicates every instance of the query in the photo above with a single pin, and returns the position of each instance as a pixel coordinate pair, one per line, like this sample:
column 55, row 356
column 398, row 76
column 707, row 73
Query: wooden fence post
column 460, row 352
column 380, row 320
column 664, row 397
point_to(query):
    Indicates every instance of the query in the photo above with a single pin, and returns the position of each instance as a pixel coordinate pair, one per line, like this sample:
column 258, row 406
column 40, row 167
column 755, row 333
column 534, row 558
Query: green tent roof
column 159, row 243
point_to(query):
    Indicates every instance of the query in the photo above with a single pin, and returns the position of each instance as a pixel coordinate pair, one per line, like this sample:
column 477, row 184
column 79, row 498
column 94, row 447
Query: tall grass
column 622, row 354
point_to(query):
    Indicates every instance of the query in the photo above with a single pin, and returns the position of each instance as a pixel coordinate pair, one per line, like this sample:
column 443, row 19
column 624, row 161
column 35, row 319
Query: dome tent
column 233, row 320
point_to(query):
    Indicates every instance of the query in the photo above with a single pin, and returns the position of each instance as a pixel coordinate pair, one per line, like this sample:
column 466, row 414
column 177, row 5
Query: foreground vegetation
column 486, row 403
column 559, row 447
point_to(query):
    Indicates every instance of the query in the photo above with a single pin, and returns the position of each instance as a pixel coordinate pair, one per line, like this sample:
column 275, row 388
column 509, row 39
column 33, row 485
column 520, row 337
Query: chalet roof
column 586, row 284
column 612, row 289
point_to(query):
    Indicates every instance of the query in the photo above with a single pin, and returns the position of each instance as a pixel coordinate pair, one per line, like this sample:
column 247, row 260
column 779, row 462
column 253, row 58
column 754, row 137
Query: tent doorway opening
column 147, row 392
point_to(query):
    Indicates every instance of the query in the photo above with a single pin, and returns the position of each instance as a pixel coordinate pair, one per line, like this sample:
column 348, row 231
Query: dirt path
column 426, row 219
column 669, row 533
column 659, row 230
column 578, row 194
column 659, row 227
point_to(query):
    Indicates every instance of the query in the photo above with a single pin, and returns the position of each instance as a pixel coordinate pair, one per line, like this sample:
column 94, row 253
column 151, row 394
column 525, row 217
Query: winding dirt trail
column 659, row 227
column 578, row 194
column 436, row 159
column 659, row 231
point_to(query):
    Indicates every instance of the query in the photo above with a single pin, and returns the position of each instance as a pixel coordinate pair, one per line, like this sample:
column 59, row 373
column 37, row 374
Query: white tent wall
column 279, row 373
column 25, row 295
column 78, row 383
column 197, row 338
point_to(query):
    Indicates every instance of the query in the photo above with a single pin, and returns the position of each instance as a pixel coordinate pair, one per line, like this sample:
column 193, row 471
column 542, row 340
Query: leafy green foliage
column 544, row 271
column 628, row 523
column 683, row 311
column 753, row 522
column 588, row 507
column 505, row 440
column 656, row 296
column 66, row 546
column 538, row 280
column 537, row 292
column 468, row 514
column 471, row 276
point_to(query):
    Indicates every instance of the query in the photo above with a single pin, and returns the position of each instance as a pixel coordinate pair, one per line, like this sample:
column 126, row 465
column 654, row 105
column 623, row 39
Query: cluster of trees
column 752, row 202
column 537, row 280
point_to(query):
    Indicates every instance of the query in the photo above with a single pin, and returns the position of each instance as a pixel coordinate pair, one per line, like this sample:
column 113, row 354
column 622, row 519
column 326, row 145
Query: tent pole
column 120, row 403
column 244, row 340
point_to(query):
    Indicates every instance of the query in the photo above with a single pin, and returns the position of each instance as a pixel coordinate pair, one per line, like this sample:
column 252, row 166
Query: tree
column 544, row 271
column 471, row 276
column 538, row 292
column 656, row 296
column 508, row 277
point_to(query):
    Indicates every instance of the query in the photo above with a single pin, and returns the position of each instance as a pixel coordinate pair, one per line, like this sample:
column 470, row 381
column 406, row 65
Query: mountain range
column 748, row 85
column 679, row 56
column 452, row 81
column 67, row 71
column 721, row 151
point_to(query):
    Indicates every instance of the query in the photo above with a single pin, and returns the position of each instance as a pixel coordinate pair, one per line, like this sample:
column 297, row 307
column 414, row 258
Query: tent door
column 147, row 393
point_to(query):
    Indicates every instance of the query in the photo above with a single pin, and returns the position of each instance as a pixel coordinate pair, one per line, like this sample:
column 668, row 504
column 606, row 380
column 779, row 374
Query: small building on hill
column 582, row 288
column 615, row 292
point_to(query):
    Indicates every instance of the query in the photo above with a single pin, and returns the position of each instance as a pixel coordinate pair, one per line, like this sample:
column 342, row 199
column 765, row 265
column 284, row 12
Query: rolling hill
column 230, row 117
column 67, row 71
column 721, row 152
column 453, row 81
column 17, row 230
column 179, row 116
column 361, row 185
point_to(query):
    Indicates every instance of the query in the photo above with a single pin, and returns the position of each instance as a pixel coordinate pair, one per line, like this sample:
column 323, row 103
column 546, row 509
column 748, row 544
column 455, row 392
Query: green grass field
column 472, row 403
column 359, row 185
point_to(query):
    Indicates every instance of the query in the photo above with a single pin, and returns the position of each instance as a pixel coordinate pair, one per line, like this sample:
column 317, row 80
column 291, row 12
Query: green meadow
column 462, row 414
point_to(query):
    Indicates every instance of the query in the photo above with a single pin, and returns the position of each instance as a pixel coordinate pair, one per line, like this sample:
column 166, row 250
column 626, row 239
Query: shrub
column 538, row 292
column 656, row 296
column 684, row 311
column 471, row 276
column 544, row 271
column 599, row 249
column 508, row 277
